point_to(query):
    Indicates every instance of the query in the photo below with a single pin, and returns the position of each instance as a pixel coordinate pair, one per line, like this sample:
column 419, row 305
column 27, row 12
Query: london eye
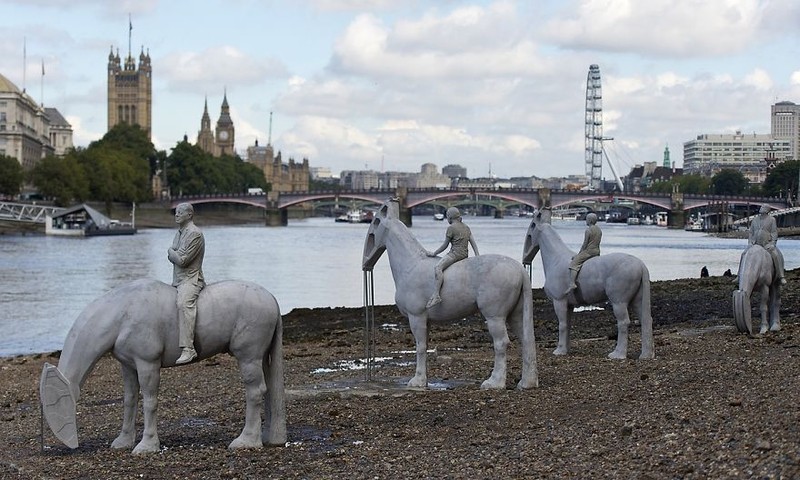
column 594, row 127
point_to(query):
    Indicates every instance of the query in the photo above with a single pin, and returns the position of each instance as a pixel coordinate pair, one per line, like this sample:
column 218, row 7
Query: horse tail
column 645, row 316
column 530, row 373
column 275, row 404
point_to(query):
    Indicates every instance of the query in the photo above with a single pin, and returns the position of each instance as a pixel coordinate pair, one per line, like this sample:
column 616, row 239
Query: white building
column 786, row 124
column 29, row 132
column 710, row 153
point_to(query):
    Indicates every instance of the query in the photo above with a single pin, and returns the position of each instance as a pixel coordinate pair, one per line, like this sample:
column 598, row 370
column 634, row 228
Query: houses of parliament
column 130, row 100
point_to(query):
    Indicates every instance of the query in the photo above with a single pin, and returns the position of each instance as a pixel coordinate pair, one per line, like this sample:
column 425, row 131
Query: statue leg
column 419, row 327
column 763, row 306
column 775, row 308
column 149, row 380
column 564, row 318
column 187, row 315
column 499, row 333
column 130, row 403
column 623, row 321
column 255, row 388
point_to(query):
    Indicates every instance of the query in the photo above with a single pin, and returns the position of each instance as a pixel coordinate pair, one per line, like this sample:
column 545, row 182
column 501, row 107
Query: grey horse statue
column 138, row 324
column 620, row 278
column 496, row 286
column 757, row 273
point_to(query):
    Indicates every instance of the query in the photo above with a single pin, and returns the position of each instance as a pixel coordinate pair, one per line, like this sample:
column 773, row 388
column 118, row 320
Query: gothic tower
column 205, row 137
column 225, row 130
column 130, row 91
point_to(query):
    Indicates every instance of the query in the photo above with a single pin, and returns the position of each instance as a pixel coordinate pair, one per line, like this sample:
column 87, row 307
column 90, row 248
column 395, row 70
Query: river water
column 45, row 282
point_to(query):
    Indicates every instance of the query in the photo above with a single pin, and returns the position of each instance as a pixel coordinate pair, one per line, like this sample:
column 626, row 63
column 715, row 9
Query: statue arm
column 440, row 249
column 474, row 245
column 187, row 252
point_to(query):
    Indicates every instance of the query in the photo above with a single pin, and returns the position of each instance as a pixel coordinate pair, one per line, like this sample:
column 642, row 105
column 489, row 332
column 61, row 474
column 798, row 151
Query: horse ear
column 392, row 208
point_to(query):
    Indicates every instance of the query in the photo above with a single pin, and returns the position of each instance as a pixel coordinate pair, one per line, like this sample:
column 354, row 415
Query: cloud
column 689, row 28
column 216, row 67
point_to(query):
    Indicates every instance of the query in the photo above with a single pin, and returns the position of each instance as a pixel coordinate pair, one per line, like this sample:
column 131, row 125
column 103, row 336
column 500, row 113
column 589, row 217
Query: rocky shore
column 713, row 404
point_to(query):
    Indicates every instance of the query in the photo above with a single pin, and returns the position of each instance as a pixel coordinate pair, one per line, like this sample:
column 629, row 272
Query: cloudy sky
column 391, row 84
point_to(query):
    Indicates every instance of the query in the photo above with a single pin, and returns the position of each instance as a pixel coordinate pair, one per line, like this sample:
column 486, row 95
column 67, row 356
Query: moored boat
column 84, row 221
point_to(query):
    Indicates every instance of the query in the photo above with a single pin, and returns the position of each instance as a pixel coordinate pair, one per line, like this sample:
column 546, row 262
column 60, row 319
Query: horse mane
column 404, row 235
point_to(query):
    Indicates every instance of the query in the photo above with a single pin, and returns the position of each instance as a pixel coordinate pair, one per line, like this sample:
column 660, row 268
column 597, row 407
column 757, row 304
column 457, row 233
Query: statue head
column 184, row 213
column 453, row 214
column 591, row 219
column 764, row 210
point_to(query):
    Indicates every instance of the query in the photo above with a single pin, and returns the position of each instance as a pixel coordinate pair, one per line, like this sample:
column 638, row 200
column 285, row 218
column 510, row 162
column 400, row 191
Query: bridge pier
column 276, row 217
column 676, row 218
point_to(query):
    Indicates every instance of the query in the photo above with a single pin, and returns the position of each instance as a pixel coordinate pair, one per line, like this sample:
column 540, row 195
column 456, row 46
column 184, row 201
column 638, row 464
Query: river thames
column 45, row 281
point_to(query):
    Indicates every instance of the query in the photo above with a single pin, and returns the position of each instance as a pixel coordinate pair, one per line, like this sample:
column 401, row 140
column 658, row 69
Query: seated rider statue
column 459, row 236
column 764, row 232
column 186, row 255
column 589, row 249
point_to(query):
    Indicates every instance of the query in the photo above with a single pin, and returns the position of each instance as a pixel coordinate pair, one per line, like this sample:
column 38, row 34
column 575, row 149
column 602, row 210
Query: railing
column 25, row 212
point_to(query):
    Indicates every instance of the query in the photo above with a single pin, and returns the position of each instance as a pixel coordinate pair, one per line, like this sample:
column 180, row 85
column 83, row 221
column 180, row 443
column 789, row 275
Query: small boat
column 661, row 219
column 355, row 215
column 695, row 224
column 84, row 221
column 648, row 220
column 633, row 221
column 438, row 216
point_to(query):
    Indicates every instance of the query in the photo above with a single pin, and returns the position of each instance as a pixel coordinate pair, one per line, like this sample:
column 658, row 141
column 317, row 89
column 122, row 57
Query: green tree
column 782, row 179
column 695, row 184
column 11, row 175
column 62, row 179
column 192, row 171
column 729, row 182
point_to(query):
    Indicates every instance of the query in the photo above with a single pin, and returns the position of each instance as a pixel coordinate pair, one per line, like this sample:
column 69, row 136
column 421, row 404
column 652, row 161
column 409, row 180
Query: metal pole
column 369, row 323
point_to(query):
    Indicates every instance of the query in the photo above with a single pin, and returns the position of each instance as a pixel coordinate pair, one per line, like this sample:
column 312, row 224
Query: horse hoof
column 617, row 356
column 121, row 442
column 417, row 383
column 560, row 351
column 525, row 385
column 489, row 384
column 143, row 448
column 647, row 356
column 241, row 443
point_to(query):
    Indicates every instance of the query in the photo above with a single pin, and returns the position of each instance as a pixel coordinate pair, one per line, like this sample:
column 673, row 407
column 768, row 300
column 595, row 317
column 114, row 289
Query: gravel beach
column 713, row 404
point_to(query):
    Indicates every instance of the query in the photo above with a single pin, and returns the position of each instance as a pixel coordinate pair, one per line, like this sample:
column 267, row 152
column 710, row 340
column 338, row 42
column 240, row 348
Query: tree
column 62, row 179
column 192, row 171
column 782, row 179
column 729, row 182
column 686, row 184
column 11, row 175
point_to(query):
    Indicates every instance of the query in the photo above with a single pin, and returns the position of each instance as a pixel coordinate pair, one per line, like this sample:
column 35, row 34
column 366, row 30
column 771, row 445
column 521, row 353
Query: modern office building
column 709, row 153
column 786, row 124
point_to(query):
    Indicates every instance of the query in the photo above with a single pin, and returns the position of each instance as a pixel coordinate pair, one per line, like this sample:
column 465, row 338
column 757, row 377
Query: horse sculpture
column 620, row 278
column 496, row 286
column 756, row 272
column 138, row 324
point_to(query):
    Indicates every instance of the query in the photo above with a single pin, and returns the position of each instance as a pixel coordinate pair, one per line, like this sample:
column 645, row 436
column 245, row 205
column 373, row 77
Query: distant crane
column 594, row 131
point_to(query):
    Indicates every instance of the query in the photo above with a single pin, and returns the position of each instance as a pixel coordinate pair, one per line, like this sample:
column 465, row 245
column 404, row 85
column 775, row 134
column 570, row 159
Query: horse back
column 231, row 316
column 613, row 276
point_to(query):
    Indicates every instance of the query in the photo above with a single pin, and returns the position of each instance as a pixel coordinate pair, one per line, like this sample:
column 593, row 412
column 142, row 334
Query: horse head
column 375, row 243
column 531, row 247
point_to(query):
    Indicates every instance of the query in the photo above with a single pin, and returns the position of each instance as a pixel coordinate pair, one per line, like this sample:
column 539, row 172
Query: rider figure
column 764, row 232
column 460, row 236
column 186, row 255
column 589, row 249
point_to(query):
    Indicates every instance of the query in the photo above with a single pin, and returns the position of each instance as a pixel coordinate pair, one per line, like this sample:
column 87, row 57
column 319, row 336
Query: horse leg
column 623, row 321
column 563, row 313
column 763, row 306
column 775, row 308
column 499, row 333
column 255, row 388
column 149, row 380
column 130, row 402
column 419, row 327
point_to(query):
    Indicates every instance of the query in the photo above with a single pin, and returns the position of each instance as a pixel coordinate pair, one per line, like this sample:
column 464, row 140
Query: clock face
column 223, row 135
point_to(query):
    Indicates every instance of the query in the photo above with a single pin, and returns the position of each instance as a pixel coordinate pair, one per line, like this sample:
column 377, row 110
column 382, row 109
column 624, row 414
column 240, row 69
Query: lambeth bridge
column 677, row 204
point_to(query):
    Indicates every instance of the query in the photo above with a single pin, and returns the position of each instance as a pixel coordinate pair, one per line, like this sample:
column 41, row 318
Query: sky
column 496, row 86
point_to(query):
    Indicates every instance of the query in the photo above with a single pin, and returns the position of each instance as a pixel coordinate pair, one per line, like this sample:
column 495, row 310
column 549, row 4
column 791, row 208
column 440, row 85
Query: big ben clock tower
column 225, row 131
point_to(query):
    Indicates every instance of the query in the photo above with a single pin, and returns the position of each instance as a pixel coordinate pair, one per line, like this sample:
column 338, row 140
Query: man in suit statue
column 764, row 232
column 589, row 249
column 186, row 255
